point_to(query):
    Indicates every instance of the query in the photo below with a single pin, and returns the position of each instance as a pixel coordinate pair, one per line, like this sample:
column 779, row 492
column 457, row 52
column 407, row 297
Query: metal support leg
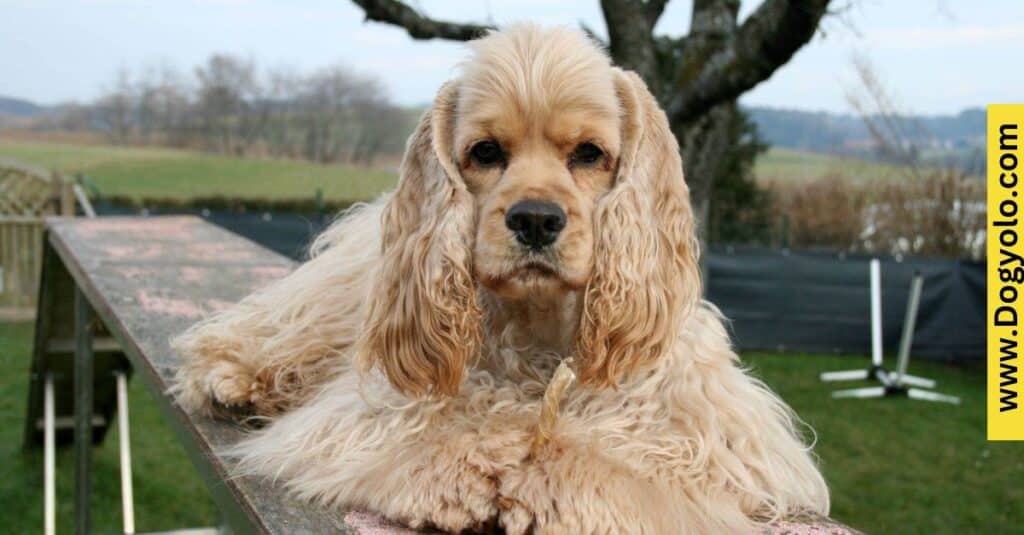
column 83, row 410
column 49, row 459
column 928, row 395
column 846, row 375
column 875, row 371
column 127, row 499
column 876, row 312
column 867, row 392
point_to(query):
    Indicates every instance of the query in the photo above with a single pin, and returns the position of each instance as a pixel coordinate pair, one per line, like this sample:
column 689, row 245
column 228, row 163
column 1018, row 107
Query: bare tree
column 115, row 111
column 894, row 132
column 696, row 77
column 225, row 83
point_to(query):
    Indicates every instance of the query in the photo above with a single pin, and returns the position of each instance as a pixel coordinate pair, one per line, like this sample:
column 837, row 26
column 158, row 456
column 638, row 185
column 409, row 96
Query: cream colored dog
column 541, row 214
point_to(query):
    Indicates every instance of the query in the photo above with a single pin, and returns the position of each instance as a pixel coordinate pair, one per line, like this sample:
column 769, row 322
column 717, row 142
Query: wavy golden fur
column 402, row 368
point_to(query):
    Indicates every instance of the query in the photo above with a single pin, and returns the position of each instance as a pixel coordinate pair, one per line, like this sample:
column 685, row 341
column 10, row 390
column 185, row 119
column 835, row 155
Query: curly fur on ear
column 423, row 324
column 646, row 278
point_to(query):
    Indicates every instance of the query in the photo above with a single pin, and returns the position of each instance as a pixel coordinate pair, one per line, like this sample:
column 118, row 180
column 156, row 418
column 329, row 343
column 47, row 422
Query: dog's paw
column 461, row 500
column 221, row 387
column 453, row 480
column 527, row 504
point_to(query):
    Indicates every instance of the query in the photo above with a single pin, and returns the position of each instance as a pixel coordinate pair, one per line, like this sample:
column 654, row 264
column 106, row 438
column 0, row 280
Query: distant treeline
column 230, row 106
column 939, row 141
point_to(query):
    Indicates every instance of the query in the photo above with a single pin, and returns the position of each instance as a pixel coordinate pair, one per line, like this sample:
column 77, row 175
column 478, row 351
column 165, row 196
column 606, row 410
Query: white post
column 908, row 326
column 49, row 460
column 876, row 312
column 127, row 498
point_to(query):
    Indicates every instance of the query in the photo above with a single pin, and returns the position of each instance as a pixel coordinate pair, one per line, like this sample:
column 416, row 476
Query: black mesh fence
column 820, row 302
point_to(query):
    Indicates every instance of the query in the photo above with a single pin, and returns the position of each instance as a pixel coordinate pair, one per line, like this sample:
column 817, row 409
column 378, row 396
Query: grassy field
column 894, row 466
column 789, row 165
column 154, row 173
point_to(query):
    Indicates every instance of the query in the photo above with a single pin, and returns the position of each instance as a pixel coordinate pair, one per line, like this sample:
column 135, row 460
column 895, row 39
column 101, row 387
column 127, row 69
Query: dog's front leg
column 574, row 488
column 447, row 480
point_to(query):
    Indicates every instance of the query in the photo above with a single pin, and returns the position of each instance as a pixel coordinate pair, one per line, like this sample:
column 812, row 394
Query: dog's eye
column 586, row 153
column 487, row 153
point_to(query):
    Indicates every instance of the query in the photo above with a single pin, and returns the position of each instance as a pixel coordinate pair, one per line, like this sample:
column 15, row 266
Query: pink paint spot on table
column 270, row 272
column 161, row 227
column 133, row 251
column 191, row 274
column 217, row 305
column 129, row 272
column 168, row 306
column 217, row 251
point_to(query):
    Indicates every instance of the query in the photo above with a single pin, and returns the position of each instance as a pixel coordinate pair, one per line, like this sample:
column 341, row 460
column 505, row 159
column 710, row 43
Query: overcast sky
column 936, row 56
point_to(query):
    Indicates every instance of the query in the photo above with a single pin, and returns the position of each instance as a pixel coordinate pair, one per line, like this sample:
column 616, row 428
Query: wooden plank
column 149, row 279
column 84, row 390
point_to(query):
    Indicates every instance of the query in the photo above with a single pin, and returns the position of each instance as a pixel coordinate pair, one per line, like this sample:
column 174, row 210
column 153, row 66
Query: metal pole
column 49, row 460
column 876, row 312
column 127, row 498
column 83, row 410
column 908, row 326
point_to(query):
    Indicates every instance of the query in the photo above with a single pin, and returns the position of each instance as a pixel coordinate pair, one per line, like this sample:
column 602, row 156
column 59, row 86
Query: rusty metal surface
column 148, row 279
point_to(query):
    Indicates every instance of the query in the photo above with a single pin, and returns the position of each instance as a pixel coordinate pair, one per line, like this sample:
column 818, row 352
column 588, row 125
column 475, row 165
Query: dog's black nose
column 536, row 224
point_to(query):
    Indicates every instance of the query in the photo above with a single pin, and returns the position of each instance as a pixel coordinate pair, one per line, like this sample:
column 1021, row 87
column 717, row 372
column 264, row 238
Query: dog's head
column 541, row 170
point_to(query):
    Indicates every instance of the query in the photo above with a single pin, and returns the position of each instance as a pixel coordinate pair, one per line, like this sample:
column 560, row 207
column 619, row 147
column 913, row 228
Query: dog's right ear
column 423, row 323
column 646, row 278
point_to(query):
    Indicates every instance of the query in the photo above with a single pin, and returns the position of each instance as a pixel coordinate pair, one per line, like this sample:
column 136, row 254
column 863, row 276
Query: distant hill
column 847, row 134
column 17, row 107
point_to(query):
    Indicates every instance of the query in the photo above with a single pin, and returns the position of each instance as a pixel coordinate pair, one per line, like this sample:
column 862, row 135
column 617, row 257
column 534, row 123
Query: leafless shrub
column 942, row 213
column 939, row 213
column 828, row 212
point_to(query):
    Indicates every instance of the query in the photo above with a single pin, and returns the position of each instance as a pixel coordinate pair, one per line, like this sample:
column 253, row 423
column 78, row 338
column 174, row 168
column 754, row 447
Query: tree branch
column 765, row 42
column 653, row 10
column 417, row 25
column 714, row 16
column 630, row 41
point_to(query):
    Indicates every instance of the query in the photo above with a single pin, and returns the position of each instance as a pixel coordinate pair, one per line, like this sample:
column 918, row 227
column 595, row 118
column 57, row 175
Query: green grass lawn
column 789, row 165
column 894, row 466
column 155, row 173
column 168, row 492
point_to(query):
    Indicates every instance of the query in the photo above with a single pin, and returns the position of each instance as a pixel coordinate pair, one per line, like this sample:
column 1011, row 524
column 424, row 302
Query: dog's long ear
column 423, row 322
column 646, row 277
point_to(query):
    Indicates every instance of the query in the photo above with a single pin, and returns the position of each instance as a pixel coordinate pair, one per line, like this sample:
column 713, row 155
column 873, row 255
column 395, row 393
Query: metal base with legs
column 898, row 383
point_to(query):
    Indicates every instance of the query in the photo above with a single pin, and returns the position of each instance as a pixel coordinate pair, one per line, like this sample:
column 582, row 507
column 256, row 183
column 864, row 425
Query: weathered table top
column 149, row 279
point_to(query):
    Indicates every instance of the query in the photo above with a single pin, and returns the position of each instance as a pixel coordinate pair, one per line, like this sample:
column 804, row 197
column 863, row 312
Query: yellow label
column 1005, row 242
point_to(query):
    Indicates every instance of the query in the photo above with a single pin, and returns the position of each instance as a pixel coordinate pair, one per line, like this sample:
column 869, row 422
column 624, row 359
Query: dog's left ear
column 645, row 279
column 423, row 322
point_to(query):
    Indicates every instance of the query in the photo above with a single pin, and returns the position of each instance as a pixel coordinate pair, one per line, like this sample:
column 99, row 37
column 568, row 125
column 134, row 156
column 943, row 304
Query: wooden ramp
column 114, row 292
column 141, row 281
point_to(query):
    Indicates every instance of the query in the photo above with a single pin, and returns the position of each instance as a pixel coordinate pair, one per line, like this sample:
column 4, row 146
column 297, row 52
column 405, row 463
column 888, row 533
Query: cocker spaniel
column 541, row 214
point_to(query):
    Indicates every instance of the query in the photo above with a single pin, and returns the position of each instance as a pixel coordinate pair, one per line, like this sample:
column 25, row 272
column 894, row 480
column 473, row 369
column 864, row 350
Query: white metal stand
column 875, row 372
column 899, row 383
column 124, row 439
column 49, row 460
